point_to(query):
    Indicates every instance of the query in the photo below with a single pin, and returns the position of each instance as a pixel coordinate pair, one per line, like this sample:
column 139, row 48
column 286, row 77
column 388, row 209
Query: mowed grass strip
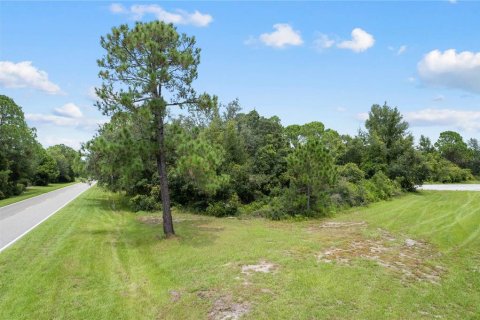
column 96, row 260
column 34, row 191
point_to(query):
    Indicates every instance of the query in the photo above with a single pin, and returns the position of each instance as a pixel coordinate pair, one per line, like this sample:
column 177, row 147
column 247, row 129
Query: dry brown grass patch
column 408, row 258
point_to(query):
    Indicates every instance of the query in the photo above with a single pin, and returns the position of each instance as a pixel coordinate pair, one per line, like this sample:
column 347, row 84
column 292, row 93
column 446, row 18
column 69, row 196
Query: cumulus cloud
column 25, row 75
column 461, row 119
column 138, row 11
column 68, row 115
column 361, row 41
column 283, row 36
column 451, row 69
column 70, row 110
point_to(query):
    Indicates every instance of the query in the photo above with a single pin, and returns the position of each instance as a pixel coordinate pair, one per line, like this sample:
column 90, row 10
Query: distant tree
column 312, row 173
column 388, row 125
column 390, row 148
column 425, row 145
column 451, row 146
column 65, row 158
column 474, row 147
column 46, row 171
column 150, row 67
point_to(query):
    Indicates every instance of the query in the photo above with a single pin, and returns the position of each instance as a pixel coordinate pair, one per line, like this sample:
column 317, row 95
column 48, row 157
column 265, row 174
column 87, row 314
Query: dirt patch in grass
column 225, row 308
column 335, row 224
column 410, row 259
column 151, row 220
column 175, row 295
column 263, row 267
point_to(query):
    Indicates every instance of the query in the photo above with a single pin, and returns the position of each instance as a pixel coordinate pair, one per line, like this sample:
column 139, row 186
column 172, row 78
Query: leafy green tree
column 46, row 171
column 150, row 66
column 65, row 158
column 390, row 148
column 121, row 157
column 312, row 174
column 198, row 164
column 474, row 147
column 388, row 126
column 451, row 146
column 18, row 147
column 266, row 148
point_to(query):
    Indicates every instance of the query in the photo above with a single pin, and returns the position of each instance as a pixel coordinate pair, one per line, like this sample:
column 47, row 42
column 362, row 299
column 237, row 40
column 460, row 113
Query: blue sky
column 302, row 61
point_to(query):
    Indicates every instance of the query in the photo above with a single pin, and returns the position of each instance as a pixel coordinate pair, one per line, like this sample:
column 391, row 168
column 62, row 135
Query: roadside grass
column 97, row 260
column 34, row 191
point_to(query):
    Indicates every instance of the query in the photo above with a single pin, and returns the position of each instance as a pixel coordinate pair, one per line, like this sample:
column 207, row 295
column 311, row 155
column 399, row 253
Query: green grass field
column 33, row 191
column 416, row 257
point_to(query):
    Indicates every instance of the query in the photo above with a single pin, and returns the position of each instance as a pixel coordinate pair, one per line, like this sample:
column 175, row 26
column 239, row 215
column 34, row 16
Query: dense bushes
column 246, row 164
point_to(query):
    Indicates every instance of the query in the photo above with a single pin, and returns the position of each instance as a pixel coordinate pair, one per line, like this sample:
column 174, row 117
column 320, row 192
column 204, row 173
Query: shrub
column 348, row 194
column 142, row 202
column 225, row 209
column 18, row 189
column 351, row 172
column 383, row 187
column 24, row 181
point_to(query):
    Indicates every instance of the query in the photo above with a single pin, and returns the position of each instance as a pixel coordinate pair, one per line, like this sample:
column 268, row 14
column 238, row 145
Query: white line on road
column 36, row 225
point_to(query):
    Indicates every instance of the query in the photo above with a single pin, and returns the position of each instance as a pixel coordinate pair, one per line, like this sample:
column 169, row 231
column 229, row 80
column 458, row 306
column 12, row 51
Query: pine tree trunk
column 162, row 172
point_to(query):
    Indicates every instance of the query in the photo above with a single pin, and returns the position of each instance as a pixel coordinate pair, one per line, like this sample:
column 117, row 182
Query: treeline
column 23, row 160
column 224, row 162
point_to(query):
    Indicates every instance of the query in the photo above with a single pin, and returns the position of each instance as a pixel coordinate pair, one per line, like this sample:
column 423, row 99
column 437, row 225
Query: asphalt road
column 451, row 187
column 19, row 218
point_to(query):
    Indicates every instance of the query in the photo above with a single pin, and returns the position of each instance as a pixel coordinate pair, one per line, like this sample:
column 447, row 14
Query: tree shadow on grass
column 196, row 232
column 145, row 229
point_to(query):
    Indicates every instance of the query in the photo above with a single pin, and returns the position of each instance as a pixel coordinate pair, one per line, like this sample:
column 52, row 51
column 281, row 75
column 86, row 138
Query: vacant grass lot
column 416, row 257
column 33, row 191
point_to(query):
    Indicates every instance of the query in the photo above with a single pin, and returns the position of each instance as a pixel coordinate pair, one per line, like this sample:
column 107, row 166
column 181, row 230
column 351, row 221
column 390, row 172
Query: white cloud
column 452, row 1
column 362, row 116
column 361, row 41
column 341, row 109
column 439, row 98
column 323, row 41
column 461, row 119
column 70, row 110
column 91, row 94
column 117, row 8
column 283, row 36
column 411, row 79
column 25, row 75
column 401, row 50
column 53, row 140
column 138, row 11
column 451, row 69
column 68, row 115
